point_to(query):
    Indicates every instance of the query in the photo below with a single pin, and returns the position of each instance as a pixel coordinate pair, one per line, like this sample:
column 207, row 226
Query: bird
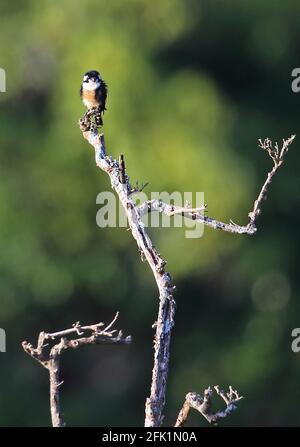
column 93, row 92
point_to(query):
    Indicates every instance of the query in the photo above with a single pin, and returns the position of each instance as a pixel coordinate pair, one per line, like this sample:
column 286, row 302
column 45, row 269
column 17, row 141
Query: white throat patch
column 91, row 85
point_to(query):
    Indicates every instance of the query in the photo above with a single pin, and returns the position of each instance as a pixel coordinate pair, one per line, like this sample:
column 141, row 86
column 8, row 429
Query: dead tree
column 50, row 346
column 120, row 182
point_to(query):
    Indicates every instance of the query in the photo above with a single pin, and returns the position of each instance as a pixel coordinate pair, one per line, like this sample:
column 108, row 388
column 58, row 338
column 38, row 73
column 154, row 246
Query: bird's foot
column 84, row 123
column 91, row 120
column 95, row 116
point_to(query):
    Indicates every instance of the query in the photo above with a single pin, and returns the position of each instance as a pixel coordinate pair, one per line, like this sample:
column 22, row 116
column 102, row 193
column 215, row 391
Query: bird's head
column 91, row 80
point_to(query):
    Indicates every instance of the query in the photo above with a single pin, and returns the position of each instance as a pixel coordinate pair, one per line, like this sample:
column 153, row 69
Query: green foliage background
column 192, row 86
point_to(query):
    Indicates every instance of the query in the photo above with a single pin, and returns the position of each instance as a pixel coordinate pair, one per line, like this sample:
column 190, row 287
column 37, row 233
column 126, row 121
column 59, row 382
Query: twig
column 138, row 188
column 277, row 156
column 50, row 358
column 122, row 174
column 204, row 404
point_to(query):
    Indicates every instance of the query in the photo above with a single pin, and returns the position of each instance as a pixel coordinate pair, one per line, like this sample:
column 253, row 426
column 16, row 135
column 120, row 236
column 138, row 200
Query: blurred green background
column 192, row 86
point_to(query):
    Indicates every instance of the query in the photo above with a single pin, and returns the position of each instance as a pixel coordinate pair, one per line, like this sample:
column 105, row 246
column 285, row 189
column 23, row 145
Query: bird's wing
column 103, row 88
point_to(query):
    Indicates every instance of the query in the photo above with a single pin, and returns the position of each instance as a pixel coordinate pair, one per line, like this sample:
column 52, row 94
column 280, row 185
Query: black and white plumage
column 93, row 92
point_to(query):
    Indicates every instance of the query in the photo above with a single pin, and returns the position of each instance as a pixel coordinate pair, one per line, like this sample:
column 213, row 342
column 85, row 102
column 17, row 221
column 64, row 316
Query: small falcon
column 93, row 92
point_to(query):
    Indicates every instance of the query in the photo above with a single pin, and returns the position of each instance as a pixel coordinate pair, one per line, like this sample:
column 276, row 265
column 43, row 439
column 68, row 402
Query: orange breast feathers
column 89, row 99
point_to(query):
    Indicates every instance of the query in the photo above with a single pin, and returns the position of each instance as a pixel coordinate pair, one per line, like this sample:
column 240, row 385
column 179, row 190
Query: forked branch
column 120, row 183
column 50, row 346
column 277, row 155
column 204, row 405
column 154, row 409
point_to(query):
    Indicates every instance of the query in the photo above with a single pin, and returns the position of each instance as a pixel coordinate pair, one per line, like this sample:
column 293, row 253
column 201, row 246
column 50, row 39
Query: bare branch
column 165, row 321
column 50, row 358
column 197, row 214
column 194, row 214
column 278, row 156
column 204, row 405
column 112, row 322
